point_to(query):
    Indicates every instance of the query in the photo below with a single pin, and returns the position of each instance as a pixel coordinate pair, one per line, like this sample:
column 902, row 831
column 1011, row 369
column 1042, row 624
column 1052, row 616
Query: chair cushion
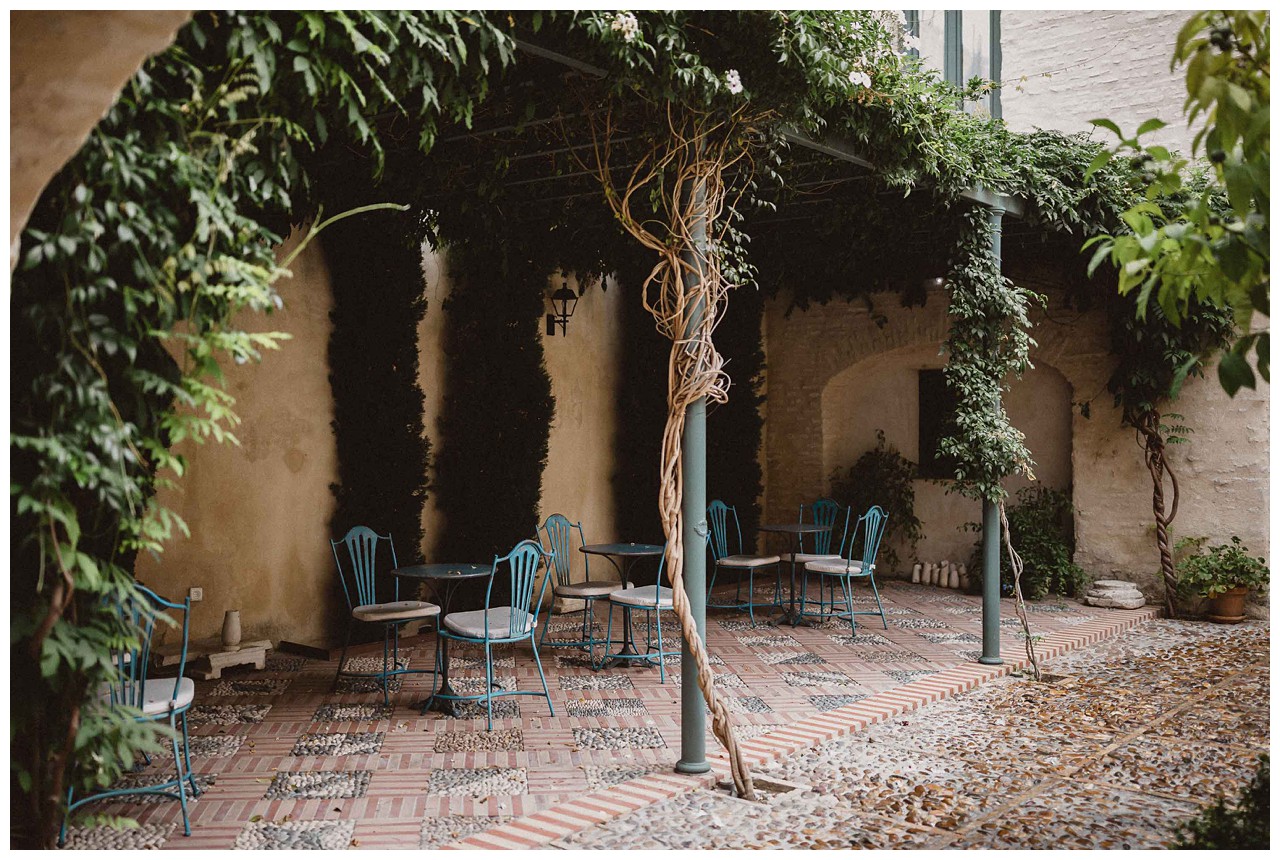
column 803, row 557
column 401, row 610
column 157, row 695
column 472, row 623
column 644, row 595
column 591, row 588
column 747, row 560
column 841, row 567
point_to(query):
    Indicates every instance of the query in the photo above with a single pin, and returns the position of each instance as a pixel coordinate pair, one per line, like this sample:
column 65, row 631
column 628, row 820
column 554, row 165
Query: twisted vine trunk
column 1153, row 443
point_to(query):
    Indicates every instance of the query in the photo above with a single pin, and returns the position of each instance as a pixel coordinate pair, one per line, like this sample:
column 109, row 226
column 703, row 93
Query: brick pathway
column 287, row 763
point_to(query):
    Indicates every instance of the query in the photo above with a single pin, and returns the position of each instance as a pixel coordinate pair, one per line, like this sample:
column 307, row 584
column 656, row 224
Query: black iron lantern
column 563, row 303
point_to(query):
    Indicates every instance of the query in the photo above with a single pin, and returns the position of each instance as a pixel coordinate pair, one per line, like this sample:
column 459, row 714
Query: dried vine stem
column 1153, row 444
column 1020, row 605
column 686, row 294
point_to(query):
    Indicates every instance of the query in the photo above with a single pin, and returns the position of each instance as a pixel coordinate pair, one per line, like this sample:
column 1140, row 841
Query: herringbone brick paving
column 433, row 779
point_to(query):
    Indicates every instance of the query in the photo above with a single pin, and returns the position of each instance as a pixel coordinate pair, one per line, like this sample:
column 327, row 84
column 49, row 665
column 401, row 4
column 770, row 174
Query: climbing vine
column 144, row 252
column 139, row 267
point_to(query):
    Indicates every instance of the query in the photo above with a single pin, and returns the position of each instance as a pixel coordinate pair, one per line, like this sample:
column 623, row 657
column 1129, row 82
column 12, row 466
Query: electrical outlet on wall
column 196, row 594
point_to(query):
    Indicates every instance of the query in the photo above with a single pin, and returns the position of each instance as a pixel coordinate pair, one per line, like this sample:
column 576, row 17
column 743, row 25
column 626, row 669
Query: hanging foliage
column 375, row 268
column 141, row 263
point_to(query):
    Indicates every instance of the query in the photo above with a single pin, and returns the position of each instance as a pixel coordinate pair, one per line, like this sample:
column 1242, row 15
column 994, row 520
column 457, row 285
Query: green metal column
column 991, row 527
column 693, row 719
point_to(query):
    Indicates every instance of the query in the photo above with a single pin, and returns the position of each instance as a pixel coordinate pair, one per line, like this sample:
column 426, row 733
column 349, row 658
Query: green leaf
column 1234, row 373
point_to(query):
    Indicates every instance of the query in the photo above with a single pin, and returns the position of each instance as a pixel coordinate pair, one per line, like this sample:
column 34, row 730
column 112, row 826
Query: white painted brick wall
column 1062, row 69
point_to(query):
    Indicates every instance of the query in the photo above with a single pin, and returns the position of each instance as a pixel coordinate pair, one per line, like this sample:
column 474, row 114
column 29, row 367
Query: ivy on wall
column 496, row 416
column 375, row 267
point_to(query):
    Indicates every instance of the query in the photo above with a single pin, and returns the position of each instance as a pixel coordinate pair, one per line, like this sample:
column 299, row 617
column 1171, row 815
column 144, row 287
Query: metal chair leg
column 751, row 594
column 342, row 661
column 608, row 640
column 551, row 608
column 488, row 675
column 182, row 792
column 662, row 662
column 386, row 694
column 186, row 754
column 880, row 605
column 545, row 692
column 848, row 602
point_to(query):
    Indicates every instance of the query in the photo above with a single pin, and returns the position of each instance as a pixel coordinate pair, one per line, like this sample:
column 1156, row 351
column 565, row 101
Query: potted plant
column 1224, row 574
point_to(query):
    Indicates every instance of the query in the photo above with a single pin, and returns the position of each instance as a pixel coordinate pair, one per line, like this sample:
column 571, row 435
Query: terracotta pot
column 1228, row 607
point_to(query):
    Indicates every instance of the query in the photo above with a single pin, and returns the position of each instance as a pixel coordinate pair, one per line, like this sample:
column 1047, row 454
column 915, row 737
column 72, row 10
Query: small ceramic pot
column 1228, row 607
column 231, row 629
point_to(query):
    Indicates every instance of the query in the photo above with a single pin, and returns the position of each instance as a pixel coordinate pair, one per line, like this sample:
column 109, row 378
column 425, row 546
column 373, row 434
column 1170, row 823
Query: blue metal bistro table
column 798, row 531
column 444, row 580
column 629, row 553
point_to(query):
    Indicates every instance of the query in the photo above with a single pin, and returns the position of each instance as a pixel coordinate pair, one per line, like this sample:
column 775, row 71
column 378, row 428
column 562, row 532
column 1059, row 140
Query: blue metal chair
column 151, row 699
column 557, row 539
column 845, row 570
column 499, row 625
column 718, row 514
column 823, row 512
column 652, row 600
column 361, row 543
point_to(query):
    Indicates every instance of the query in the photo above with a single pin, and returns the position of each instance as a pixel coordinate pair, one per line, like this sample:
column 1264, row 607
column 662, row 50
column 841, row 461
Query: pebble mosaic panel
column 329, row 785
column 339, row 743
column 478, row 782
column 288, row 835
column 611, row 738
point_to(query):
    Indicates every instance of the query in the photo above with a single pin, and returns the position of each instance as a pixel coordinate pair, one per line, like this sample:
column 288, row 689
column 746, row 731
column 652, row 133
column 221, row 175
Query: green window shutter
column 953, row 47
column 996, row 72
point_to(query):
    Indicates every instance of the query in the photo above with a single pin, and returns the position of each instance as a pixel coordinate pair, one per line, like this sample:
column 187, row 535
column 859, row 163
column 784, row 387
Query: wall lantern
column 563, row 303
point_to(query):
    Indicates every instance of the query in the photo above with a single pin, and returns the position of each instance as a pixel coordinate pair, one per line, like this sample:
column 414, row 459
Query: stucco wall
column 584, row 376
column 859, row 367
column 1062, row 69
column 66, row 69
column 259, row 513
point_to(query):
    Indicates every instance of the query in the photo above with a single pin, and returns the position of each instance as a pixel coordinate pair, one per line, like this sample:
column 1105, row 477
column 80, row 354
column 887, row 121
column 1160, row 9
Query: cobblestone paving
column 1131, row 738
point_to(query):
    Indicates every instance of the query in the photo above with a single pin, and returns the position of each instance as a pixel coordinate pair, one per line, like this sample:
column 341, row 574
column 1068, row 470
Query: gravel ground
column 1133, row 737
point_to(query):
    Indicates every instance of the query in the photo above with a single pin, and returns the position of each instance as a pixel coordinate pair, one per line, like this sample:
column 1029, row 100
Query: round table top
column 625, row 549
column 794, row 528
column 442, row 571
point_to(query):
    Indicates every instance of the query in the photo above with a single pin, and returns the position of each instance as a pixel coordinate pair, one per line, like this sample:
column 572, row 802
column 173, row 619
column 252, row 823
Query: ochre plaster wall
column 584, row 376
column 1224, row 470
column 259, row 513
column 66, row 69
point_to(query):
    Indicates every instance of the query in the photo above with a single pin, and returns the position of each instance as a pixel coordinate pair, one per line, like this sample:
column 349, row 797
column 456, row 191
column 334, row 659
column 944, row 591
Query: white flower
column 910, row 42
column 626, row 24
column 733, row 81
column 860, row 79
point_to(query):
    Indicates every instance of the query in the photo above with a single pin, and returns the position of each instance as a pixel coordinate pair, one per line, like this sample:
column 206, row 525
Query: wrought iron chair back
column 718, row 535
column 138, row 615
column 558, row 546
column 873, row 522
column 361, row 543
column 522, row 563
column 826, row 512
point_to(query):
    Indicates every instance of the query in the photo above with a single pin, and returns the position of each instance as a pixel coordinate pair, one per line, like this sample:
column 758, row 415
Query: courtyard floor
column 1132, row 738
column 287, row 763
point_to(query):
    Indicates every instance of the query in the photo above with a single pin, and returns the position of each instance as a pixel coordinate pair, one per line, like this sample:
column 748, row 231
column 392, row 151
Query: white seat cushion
column 644, row 595
column 401, row 610
column 747, row 560
column 591, row 588
column 842, row 567
column 472, row 623
column 157, row 695
column 803, row 557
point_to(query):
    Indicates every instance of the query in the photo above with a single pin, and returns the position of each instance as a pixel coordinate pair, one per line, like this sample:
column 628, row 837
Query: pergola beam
column 845, row 151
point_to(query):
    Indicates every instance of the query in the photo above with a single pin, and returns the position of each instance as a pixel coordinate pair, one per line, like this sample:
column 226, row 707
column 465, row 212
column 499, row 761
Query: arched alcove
column 882, row 392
